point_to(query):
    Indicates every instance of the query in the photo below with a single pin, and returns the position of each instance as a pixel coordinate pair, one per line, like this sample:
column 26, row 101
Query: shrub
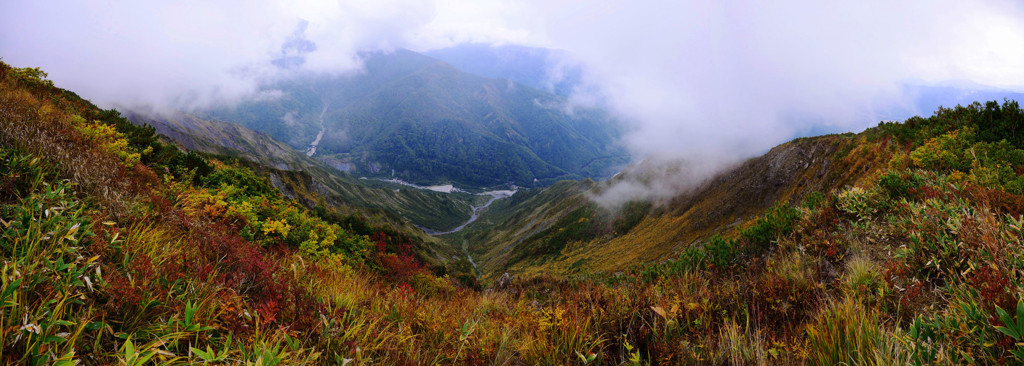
column 777, row 221
column 717, row 253
column 249, row 183
column 630, row 215
column 858, row 202
column 963, row 333
column 945, row 153
column 813, row 200
column 33, row 76
column 109, row 140
column 899, row 185
column 720, row 252
column 396, row 260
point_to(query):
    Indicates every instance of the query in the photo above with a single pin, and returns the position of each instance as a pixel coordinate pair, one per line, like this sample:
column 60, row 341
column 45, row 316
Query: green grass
column 909, row 264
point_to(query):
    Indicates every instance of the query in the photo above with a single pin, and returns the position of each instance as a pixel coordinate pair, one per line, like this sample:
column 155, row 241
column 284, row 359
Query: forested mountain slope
column 539, row 68
column 415, row 118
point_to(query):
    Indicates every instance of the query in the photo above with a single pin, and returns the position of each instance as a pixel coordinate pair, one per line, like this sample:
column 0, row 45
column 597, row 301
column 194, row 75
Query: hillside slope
column 221, row 138
column 527, row 240
column 118, row 248
column 559, row 231
column 313, row 182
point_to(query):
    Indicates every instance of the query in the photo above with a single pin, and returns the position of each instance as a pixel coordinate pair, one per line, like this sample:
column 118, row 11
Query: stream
column 312, row 146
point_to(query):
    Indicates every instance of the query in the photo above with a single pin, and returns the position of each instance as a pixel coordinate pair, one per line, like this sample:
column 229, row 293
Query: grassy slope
column 105, row 263
column 222, row 138
column 785, row 174
column 490, row 238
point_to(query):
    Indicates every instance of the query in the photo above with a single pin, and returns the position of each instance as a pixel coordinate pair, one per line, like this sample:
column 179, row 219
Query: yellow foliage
column 944, row 152
column 276, row 226
column 111, row 141
column 551, row 318
column 212, row 204
column 243, row 209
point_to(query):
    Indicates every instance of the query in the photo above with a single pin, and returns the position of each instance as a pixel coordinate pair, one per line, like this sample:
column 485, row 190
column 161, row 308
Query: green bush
column 899, row 185
column 248, row 181
column 777, row 222
column 945, row 153
column 813, row 200
column 721, row 252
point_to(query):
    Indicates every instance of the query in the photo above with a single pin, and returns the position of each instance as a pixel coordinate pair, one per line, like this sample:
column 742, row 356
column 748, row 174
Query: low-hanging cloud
column 706, row 80
column 728, row 80
column 657, row 179
column 740, row 77
column 190, row 54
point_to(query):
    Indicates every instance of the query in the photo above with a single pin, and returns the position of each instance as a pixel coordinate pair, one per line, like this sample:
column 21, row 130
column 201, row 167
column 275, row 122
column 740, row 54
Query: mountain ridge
column 414, row 115
column 713, row 205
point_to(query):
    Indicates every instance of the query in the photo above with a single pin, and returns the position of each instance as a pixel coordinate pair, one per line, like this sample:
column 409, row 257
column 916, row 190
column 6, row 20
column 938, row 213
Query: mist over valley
column 462, row 182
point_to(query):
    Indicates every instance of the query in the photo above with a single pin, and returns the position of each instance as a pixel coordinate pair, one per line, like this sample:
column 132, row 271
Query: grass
column 106, row 264
column 844, row 332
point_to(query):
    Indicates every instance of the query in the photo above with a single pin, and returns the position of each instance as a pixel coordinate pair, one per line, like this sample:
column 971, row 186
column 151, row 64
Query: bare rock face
column 503, row 282
column 275, row 180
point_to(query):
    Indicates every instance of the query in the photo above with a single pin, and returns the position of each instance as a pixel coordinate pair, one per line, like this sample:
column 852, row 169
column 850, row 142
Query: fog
column 712, row 83
column 739, row 78
column 703, row 80
column 173, row 55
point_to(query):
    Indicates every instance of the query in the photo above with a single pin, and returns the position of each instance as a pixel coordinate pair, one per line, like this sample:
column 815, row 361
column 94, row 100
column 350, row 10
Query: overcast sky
column 689, row 77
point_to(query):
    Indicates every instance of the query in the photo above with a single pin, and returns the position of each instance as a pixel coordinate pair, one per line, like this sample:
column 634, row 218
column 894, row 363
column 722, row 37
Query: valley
column 183, row 238
column 518, row 237
column 312, row 182
column 412, row 117
column 494, row 196
column 320, row 135
column 511, row 183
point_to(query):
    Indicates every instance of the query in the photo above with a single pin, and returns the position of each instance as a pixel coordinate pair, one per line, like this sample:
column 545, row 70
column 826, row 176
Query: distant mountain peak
column 431, row 123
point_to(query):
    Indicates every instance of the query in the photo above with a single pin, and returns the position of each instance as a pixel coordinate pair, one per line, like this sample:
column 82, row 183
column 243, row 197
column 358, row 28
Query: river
column 312, row 146
column 495, row 195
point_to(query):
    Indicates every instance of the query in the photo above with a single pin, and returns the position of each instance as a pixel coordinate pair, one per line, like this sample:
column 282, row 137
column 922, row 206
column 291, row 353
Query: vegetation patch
column 119, row 249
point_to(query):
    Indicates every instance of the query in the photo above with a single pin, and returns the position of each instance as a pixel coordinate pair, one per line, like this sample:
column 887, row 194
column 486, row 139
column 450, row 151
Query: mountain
column 312, row 181
column 561, row 230
column 415, row 118
column 221, row 138
column 902, row 244
column 539, row 68
column 528, row 233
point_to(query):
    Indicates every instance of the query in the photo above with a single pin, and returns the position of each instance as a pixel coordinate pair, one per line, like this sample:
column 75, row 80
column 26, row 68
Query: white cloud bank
column 740, row 77
column 692, row 78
